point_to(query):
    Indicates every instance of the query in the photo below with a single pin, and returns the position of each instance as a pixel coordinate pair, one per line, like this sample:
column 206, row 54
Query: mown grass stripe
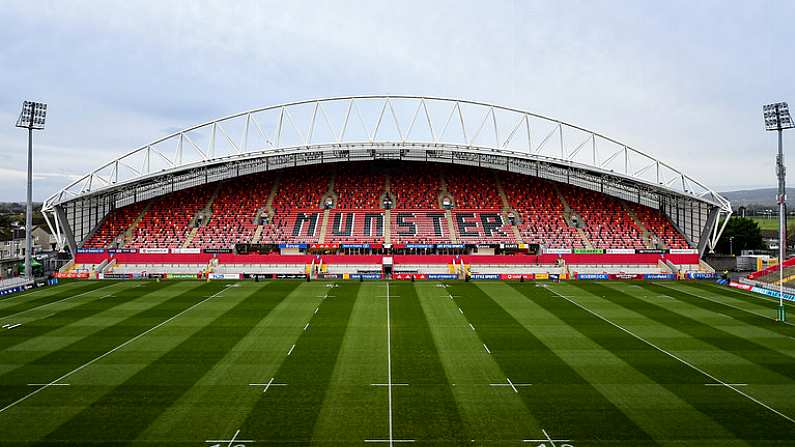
column 729, row 309
column 13, row 384
column 65, row 317
column 489, row 414
column 288, row 414
column 350, row 412
column 426, row 410
column 128, row 409
column 762, row 356
column 561, row 400
column 26, row 305
column 733, row 412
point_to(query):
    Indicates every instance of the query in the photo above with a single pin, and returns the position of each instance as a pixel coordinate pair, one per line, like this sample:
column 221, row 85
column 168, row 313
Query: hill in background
column 758, row 198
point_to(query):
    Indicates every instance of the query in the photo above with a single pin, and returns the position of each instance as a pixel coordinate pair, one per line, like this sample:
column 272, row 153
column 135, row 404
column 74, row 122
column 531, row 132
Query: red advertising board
column 528, row 276
column 409, row 276
column 72, row 275
column 625, row 276
column 738, row 285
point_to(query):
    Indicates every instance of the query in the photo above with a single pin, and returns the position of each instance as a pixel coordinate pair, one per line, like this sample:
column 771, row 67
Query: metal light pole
column 777, row 118
column 32, row 118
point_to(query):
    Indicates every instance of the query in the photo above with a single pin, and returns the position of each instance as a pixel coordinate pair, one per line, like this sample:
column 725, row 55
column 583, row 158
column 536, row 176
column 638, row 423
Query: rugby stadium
column 392, row 270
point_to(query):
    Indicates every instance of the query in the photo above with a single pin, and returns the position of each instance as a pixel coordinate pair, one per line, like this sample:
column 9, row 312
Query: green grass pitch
column 577, row 364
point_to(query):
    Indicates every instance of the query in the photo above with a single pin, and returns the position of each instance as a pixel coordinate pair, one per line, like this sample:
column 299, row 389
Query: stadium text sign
column 370, row 224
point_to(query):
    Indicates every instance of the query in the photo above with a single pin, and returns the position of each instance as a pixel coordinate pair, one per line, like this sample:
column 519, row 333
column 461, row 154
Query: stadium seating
column 115, row 225
column 540, row 212
column 358, row 187
column 606, row 223
column 478, row 216
column 419, row 226
column 293, row 226
column 355, row 226
column 300, row 190
column 472, row 188
column 234, row 212
column 482, row 226
column 660, row 226
column 415, row 187
column 165, row 224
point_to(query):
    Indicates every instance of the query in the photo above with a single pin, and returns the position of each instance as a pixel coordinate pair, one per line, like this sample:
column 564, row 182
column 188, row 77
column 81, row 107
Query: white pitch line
column 307, row 326
column 54, row 302
column 291, row 350
column 96, row 359
column 685, row 362
column 548, row 439
column 12, row 326
column 461, row 311
column 487, row 348
column 726, row 384
column 316, row 310
column 229, row 441
column 389, row 363
column 387, row 384
column 510, row 384
column 471, row 327
column 49, row 384
column 267, row 385
column 390, row 441
column 732, row 306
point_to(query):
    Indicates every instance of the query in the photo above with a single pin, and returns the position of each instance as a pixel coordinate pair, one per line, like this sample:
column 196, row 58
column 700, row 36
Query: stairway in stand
column 205, row 212
column 326, row 212
column 506, row 209
column 268, row 210
column 645, row 233
column 568, row 213
column 128, row 234
column 387, row 212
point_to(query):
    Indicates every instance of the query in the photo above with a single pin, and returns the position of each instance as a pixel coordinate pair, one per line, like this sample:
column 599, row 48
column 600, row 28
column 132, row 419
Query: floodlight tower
column 32, row 118
column 777, row 118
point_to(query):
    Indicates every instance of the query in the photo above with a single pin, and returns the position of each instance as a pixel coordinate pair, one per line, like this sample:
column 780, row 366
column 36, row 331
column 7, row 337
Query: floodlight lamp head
column 777, row 116
column 33, row 115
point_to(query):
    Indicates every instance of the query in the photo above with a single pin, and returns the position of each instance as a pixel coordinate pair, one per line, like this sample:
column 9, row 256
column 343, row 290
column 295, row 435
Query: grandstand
column 197, row 217
column 505, row 204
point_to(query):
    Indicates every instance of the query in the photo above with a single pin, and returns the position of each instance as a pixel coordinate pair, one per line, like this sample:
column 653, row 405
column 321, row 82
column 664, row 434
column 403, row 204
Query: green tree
column 5, row 227
column 744, row 234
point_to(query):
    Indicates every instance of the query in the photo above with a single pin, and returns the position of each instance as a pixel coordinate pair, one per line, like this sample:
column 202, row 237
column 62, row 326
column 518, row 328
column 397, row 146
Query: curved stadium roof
column 387, row 127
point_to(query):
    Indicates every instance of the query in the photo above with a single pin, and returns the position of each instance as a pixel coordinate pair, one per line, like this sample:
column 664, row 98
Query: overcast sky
column 682, row 80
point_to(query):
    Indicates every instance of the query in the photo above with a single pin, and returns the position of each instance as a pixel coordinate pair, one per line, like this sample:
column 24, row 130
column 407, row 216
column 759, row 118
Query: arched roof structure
column 413, row 128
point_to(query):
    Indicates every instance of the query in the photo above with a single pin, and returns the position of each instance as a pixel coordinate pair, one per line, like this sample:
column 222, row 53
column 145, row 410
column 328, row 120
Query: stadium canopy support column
column 60, row 214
